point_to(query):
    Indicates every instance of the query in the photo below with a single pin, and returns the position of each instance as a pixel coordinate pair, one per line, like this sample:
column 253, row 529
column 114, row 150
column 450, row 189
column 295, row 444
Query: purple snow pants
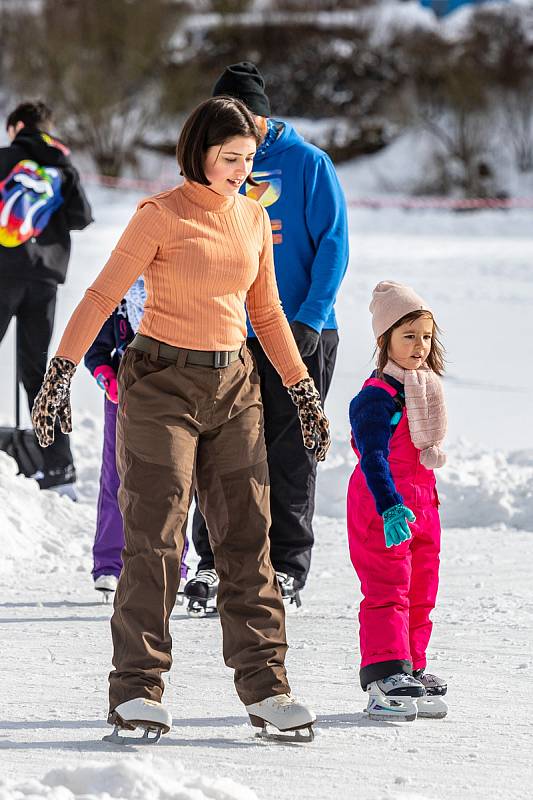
column 109, row 539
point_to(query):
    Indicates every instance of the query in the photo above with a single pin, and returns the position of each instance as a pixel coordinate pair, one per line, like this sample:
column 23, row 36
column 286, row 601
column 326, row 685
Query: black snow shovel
column 21, row 443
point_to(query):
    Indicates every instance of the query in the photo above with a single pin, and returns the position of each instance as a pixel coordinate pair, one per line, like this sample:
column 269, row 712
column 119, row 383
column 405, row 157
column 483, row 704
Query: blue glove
column 395, row 524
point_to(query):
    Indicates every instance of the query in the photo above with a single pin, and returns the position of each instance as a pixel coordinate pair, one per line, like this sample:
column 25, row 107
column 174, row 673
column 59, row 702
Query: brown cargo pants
column 181, row 426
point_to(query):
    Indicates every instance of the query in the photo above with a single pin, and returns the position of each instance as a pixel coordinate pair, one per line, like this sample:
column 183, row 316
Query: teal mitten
column 395, row 524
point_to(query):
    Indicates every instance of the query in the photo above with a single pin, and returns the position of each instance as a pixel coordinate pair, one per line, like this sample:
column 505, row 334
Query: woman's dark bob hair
column 212, row 123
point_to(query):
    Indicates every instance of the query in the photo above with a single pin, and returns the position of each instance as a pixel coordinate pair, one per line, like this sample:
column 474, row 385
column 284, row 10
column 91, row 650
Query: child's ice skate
column 139, row 713
column 394, row 699
column 432, row 705
column 285, row 716
column 180, row 597
column 106, row 585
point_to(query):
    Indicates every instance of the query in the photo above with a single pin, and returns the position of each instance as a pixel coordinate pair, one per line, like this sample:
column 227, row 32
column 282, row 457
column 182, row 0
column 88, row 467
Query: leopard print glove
column 315, row 425
column 53, row 401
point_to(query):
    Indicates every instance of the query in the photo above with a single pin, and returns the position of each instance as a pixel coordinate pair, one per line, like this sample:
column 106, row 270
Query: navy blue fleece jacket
column 373, row 419
column 108, row 347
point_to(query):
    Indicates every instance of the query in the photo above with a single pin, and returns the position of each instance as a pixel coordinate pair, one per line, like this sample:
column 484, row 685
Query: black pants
column 33, row 304
column 291, row 466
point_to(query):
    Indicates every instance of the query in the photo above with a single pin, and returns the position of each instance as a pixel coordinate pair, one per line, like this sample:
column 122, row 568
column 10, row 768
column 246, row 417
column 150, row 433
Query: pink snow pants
column 400, row 583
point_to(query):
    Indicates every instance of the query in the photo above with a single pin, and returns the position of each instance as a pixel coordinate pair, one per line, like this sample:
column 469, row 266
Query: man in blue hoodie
column 298, row 186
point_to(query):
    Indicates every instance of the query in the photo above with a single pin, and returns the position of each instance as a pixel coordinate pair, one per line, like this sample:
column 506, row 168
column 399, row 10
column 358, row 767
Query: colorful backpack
column 28, row 197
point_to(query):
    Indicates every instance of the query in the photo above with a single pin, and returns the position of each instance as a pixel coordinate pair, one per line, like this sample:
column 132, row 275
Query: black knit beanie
column 245, row 82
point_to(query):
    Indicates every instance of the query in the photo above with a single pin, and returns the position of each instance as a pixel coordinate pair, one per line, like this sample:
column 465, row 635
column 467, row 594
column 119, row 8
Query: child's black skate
column 201, row 592
column 394, row 699
column 289, row 592
column 432, row 706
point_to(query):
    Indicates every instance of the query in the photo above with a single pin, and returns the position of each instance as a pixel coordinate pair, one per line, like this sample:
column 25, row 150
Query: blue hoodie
column 300, row 190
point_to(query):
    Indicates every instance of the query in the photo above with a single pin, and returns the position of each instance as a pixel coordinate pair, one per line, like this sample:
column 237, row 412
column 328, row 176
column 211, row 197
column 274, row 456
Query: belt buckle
column 221, row 359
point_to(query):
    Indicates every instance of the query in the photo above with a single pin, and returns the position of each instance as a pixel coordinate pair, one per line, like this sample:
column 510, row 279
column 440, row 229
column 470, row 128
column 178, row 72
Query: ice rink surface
column 477, row 272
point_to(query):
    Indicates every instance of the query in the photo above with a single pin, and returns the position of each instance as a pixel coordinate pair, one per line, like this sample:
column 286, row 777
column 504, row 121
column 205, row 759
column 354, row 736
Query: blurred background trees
column 354, row 74
column 100, row 64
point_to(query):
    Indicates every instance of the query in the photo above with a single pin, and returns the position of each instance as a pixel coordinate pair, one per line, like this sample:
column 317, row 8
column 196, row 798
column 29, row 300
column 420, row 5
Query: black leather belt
column 217, row 359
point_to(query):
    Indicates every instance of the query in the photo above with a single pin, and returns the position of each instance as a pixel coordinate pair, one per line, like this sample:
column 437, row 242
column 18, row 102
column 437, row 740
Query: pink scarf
column 426, row 411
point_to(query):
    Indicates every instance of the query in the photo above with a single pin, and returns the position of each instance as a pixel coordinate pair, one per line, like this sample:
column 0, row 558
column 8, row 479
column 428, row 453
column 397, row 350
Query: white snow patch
column 477, row 487
column 126, row 779
column 54, row 530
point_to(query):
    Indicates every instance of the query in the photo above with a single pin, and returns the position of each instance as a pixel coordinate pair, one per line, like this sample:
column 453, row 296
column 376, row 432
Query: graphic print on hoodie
column 300, row 190
column 45, row 255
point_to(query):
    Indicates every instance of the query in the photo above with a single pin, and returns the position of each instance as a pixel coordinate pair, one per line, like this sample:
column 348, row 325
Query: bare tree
column 100, row 64
column 517, row 112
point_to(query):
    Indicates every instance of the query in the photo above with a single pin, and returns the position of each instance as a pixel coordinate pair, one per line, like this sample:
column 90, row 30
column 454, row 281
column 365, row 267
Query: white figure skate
column 394, row 699
column 106, row 585
column 285, row 715
column 432, row 705
column 139, row 713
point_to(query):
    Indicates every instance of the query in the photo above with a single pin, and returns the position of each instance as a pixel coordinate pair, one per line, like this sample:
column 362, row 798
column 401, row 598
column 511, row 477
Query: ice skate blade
column 116, row 738
column 301, row 735
column 106, row 596
column 431, row 707
column 392, row 709
column 198, row 611
column 292, row 604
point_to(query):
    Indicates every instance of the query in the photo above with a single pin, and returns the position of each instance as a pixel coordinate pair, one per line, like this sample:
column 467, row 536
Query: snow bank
column 50, row 530
column 477, row 488
column 126, row 779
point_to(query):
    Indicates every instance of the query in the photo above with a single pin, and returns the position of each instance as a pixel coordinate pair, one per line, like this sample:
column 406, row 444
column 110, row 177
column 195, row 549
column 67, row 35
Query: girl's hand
column 53, row 401
column 395, row 525
column 107, row 380
column 315, row 425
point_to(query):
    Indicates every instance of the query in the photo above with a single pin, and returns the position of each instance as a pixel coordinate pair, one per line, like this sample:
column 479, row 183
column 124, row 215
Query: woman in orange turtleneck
column 190, row 416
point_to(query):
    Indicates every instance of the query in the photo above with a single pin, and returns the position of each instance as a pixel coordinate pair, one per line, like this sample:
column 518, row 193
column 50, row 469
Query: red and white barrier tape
column 148, row 186
column 389, row 201
column 455, row 203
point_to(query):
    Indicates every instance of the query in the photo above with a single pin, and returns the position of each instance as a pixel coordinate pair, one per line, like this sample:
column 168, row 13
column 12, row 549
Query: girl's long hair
column 435, row 359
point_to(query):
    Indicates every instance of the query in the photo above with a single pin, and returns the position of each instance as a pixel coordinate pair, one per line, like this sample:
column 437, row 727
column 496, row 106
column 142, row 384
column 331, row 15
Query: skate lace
column 399, row 679
column 208, row 576
column 284, row 699
column 285, row 581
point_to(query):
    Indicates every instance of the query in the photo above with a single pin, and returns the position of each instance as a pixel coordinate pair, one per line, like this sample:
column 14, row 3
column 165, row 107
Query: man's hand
column 305, row 337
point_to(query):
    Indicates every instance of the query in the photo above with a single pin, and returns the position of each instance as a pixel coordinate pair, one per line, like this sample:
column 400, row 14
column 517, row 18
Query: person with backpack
column 297, row 184
column 41, row 201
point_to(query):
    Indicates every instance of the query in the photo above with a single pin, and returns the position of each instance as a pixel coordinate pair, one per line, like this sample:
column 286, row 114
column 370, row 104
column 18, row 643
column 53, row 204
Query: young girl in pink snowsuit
column 398, row 422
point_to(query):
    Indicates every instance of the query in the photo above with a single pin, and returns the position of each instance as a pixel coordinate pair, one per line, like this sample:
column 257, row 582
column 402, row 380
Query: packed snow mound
column 126, row 779
column 53, row 530
column 477, row 487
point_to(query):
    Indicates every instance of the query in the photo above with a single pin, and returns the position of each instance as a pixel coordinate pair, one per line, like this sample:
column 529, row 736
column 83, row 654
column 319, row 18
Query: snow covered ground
column 476, row 269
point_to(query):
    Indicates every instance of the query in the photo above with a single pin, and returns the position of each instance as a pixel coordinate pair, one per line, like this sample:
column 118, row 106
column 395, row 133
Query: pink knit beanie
column 390, row 302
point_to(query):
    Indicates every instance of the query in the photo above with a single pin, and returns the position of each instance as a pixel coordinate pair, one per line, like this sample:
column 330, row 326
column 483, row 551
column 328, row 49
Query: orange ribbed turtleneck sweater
column 203, row 256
